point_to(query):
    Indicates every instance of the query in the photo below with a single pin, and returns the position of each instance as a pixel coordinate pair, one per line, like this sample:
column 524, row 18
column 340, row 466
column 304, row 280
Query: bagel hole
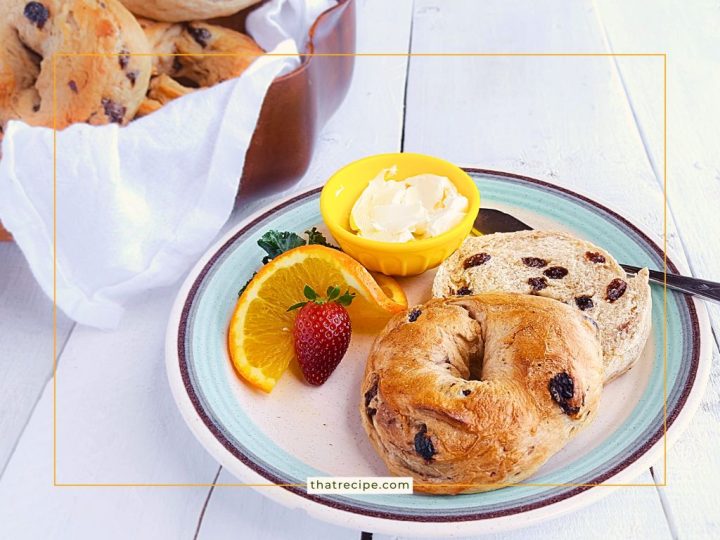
column 476, row 347
column 475, row 362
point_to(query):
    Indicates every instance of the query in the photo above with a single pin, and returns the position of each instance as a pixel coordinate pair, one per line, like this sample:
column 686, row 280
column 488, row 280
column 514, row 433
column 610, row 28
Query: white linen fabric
column 278, row 20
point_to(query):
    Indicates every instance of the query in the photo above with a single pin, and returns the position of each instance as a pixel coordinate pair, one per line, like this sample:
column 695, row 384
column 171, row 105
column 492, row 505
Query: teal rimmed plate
column 300, row 431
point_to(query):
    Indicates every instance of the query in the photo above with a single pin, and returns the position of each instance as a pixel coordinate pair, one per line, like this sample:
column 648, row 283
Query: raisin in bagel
column 559, row 266
column 186, row 10
column 97, row 89
column 466, row 394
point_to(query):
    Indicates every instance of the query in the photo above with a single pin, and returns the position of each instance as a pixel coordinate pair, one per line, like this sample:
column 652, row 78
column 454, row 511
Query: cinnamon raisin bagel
column 163, row 89
column 94, row 88
column 186, row 10
column 467, row 394
column 560, row 266
column 222, row 54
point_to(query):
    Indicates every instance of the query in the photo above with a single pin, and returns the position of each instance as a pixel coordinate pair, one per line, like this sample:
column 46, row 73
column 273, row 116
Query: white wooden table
column 592, row 124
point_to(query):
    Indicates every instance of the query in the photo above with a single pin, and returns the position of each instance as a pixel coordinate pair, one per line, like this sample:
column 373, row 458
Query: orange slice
column 260, row 337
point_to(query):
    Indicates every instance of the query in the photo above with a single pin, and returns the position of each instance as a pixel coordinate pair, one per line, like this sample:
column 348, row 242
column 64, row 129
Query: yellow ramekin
column 391, row 258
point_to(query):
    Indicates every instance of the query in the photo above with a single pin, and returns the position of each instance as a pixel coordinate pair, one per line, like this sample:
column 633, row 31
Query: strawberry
column 321, row 333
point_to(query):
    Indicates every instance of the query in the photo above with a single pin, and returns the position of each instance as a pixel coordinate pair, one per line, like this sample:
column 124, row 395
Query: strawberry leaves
column 332, row 295
column 309, row 293
column 333, row 292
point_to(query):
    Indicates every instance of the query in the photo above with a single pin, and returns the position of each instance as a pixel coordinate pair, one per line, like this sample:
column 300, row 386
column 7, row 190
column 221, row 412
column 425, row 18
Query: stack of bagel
column 477, row 388
column 110, row 61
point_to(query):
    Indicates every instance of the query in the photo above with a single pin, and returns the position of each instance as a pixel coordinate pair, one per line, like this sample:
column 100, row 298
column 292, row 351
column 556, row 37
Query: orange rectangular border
column 515, row 54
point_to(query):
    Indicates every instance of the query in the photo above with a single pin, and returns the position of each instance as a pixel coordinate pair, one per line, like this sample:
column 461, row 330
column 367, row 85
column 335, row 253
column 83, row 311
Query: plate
column 300, row 431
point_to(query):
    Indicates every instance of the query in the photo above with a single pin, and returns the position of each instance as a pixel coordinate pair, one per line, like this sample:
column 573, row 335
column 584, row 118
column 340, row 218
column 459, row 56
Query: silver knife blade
column 490, row 220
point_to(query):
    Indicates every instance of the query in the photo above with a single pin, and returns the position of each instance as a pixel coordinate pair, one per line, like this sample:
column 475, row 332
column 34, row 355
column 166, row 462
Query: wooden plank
column 30, row 507
column 563, row 120
column 690, row 496
column 688, row 34
column 234, row 509
column 117, row 423
column 25, row 345
column 606, row 519
column 368, row 122
column 116, row 419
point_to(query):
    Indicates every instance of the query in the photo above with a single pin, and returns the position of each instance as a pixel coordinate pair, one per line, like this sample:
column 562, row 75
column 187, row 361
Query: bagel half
column 469, row 394
column 193, row 55
column 558, row 265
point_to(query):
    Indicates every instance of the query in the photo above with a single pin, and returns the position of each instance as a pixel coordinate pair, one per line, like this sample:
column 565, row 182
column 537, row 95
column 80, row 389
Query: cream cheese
column 415, row 208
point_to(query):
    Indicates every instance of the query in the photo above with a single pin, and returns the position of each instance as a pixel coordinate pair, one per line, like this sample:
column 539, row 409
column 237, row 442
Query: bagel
column 163, row 89
column 174, row 76
column 97, row 89
column 558, row 265
column 186, row 10
column 468, row 394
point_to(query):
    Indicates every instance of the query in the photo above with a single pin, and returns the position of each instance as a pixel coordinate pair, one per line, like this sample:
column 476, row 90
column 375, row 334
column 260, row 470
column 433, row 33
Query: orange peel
column 260, row 335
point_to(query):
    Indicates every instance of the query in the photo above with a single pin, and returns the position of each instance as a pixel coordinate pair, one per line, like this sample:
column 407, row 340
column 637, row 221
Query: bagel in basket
column 186, row 10
column 470, row 393
column 95, row 88
column 204, row 70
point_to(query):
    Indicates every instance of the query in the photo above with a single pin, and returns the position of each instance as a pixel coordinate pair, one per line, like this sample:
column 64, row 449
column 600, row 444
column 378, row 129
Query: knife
column 490, row 220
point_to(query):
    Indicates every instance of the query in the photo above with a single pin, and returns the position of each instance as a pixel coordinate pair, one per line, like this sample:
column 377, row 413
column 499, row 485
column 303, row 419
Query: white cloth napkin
column 278, row 20
column 136, row 205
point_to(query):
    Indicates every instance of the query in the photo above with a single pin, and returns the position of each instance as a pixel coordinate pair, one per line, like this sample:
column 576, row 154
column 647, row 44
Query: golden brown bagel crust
column 216, row 54
column 186, row 10
column 106, row 86
column 222, row 53
column 479, row 391
column 518, row 262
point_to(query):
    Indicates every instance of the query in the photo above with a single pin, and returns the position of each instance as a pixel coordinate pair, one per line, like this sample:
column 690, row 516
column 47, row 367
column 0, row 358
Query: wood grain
column 693, row 164
column 563, row 120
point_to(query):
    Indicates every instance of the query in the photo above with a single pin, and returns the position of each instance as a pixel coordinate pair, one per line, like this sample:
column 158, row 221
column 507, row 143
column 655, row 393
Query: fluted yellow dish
column 409, row 258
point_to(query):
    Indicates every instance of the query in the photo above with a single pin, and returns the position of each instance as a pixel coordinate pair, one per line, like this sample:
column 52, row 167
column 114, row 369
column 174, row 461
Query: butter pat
column 418, row 207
